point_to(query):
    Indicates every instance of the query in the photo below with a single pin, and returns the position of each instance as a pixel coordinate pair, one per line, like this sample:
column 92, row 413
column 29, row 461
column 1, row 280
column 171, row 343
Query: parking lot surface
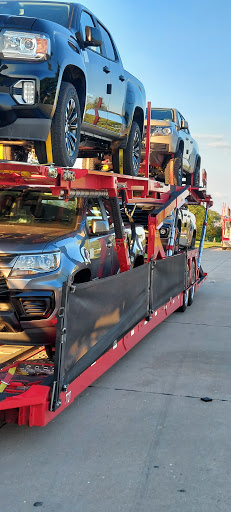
column 140, row 439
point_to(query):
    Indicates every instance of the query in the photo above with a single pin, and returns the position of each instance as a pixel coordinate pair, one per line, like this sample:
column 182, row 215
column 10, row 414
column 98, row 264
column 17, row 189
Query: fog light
column 28, row 92
column 24, row 92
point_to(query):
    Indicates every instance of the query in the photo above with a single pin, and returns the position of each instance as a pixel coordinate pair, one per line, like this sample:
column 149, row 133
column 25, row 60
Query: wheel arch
column 82, row 276
column 198, row 161
column 76, row 77
column 138, row 116
column 180, row 145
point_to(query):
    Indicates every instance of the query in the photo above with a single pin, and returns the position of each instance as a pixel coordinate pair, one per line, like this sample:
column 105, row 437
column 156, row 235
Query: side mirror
column 93, row 37
column 99, row 226
column 184, row 125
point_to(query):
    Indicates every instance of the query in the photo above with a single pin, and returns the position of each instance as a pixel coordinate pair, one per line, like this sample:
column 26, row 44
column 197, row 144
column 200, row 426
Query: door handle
column 106, row 70
column 122, row 78
column 109, row 245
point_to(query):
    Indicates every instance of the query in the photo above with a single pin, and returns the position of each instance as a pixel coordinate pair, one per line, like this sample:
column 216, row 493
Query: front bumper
column 22, row 121
column 27, row 318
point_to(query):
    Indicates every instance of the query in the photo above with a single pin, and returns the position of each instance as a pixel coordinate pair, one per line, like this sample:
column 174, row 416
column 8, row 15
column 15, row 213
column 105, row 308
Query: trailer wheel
column 132, row 153
column 65, row 128
column 192, row 289
column 183, row 308
column 178, row 168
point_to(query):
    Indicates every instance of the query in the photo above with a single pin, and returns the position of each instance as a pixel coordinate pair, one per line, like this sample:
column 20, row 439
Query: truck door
column 185, row 135
column 116, row 114
column 99, row 246
column 98, row 81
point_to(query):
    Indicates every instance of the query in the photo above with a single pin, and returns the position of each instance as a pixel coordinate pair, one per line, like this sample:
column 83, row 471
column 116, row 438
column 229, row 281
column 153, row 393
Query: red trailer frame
column 31, row 403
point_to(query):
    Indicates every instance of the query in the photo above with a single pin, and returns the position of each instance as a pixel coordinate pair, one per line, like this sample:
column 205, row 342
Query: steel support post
column 203, row 232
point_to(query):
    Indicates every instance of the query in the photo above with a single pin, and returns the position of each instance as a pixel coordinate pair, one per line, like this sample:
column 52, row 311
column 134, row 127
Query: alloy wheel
column 71, row 126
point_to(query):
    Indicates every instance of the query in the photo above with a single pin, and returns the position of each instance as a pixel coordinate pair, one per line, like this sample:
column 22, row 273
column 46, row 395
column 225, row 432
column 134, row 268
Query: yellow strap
column 121, row 161
column 49, row 149
column 3, row 385
column 1, row 151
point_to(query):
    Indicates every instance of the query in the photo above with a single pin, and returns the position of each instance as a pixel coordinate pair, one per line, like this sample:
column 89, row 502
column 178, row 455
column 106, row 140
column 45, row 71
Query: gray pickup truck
column 60, row 72
column 45, row 241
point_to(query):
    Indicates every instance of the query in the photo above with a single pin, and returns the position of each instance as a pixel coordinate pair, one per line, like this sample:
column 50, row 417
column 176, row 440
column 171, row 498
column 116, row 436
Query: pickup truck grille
column 155, row 146
column 3, row 284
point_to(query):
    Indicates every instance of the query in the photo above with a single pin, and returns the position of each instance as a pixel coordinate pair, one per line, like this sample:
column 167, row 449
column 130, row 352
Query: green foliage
column 213, row 225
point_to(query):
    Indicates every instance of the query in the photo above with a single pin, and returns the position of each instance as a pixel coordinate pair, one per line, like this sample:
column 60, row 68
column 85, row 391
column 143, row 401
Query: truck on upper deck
column 61, row 74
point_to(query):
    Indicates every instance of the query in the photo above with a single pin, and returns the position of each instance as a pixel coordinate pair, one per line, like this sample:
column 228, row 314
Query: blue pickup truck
column 61, row 73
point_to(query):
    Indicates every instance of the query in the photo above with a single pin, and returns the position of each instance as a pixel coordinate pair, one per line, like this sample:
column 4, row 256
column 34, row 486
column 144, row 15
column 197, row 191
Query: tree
column 213, row 224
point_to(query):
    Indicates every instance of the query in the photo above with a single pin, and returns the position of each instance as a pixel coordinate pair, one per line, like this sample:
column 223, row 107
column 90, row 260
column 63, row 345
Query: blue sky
column 181, row 51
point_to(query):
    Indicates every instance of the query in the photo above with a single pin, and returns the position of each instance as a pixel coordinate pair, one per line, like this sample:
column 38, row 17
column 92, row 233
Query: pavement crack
column 194, row 323
column 176, row 395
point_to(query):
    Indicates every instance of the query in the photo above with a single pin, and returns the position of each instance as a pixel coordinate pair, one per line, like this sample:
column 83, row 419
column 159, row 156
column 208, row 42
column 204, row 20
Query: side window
column 94, row 211
column 87, row 21
column 108, row 210
column 109, row 48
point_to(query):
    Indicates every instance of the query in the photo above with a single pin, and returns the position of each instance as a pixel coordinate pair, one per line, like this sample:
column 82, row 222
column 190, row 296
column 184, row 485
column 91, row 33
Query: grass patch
column 208, row 245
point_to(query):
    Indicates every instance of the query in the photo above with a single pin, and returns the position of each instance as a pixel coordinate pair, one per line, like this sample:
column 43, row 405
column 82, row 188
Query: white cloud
column 219, row 144
column 209, row 136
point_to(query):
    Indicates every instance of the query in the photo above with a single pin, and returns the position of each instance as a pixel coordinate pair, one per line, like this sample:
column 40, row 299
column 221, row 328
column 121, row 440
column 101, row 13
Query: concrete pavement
column 140, row 439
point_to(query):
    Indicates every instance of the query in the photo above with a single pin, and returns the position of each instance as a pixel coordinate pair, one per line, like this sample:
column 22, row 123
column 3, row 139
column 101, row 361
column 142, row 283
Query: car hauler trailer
column 226, row 227
column 101, row 320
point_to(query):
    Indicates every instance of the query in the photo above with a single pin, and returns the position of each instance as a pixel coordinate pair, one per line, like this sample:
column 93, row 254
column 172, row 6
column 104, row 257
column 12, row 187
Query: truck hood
column 158, row 122
column 16, row 22
column 20, row 238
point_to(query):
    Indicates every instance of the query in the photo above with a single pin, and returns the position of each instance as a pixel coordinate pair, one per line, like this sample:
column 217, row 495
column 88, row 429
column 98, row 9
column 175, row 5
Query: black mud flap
column 93, row 316
column 168, row 279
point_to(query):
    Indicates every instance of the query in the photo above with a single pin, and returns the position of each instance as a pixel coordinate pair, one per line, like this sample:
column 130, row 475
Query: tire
column 132, row 153
column 192, row 289
column 196, row 175
column 65, row 128
column 188, row 179
column 183, row 308
column 177, row 242
column 178, row 168
column 41, row 152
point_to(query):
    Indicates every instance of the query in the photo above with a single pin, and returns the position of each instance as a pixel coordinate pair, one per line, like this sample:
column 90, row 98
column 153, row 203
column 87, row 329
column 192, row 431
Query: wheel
column 41, row 152
column 192, row 289
column 196, row 175
column 132, row 153
column 65, row 127
column 224, row 248
column 178, row 168
column 188, row 179
column 192, row 245
column 177, row 242
column 183, row 308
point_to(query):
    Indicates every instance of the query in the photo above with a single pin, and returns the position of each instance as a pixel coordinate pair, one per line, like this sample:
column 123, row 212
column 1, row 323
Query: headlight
column 163, row 231
column 23, row 45
column 36, row 263
column 161, row 130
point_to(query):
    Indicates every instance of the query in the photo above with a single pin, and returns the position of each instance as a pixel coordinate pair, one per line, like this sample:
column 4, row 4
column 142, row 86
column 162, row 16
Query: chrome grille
column 159, row 147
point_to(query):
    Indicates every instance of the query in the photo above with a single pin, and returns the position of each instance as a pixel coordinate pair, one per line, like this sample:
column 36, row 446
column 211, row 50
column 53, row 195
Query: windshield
column 39, row 209
column 52, row 11
column 162, row 114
